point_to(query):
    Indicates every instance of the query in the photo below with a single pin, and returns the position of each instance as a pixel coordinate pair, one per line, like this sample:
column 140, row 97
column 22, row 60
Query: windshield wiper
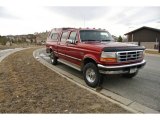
column 105, row 40
column 91, row 40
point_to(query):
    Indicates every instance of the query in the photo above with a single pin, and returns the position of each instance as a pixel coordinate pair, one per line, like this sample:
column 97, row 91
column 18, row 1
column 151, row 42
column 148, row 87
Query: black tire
column 53, row 58
column 130, row 75
column 95, row 82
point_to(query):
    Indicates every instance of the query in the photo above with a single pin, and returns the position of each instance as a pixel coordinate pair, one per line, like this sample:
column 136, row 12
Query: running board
column 69, row 64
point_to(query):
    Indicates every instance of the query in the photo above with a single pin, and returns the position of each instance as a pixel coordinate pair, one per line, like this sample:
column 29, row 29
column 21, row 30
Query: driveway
column 6, row 52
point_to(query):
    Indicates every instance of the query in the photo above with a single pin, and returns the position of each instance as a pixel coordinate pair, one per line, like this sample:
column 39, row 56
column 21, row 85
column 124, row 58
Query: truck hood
column 112, row 46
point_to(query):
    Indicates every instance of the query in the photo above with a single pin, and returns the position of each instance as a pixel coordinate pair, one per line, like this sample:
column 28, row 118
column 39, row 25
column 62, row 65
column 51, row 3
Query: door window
column 73, row 35
column 64, row 36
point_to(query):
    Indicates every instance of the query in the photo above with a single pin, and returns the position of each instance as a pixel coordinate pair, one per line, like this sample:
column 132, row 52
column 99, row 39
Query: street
column 144, row 88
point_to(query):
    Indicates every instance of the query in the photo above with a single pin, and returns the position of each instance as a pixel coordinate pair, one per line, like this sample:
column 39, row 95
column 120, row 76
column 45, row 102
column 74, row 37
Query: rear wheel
column 91, row 75
column 130, row 75
column 53, row 58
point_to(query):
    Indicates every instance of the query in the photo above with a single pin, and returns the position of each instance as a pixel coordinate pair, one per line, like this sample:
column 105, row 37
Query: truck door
column 62, row 45
column 72, row 50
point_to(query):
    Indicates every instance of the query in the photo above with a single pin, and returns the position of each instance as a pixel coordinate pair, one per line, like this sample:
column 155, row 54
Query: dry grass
column 26, row 86
column 152, row 52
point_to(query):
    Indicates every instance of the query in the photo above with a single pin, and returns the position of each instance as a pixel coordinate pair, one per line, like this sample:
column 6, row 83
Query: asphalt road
column 144, row 88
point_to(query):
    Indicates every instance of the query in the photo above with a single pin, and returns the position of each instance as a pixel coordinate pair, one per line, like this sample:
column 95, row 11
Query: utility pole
column 159, row 46
column 132, row 37
column 84, row 21
column 139, row 43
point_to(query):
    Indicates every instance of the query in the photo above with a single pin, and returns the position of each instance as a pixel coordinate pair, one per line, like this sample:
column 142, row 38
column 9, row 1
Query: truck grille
column 126, row 56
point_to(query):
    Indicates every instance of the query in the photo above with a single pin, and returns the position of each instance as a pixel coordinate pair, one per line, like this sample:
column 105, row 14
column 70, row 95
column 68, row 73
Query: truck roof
column 69, row 28
column 60, row 29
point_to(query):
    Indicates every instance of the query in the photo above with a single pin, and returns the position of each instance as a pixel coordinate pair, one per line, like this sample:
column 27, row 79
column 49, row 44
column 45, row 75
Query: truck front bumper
column 121, row 69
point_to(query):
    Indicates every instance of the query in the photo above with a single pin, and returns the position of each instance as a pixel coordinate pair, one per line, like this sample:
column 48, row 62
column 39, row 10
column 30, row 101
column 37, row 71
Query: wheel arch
column 50, row 49
column 88, row 59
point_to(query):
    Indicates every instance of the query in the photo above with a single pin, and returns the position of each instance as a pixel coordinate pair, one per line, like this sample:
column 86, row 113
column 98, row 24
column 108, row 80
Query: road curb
column 125, row 103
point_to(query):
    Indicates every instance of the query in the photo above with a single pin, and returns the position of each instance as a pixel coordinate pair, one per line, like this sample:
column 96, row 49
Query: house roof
column 144, row 27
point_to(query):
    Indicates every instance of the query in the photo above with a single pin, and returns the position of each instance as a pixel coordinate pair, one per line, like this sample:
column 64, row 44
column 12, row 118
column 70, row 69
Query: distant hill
column 36, row 38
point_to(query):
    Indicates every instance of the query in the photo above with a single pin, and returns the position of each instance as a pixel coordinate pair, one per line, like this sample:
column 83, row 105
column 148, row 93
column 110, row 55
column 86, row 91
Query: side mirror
column 76, row 41
column 70, row 41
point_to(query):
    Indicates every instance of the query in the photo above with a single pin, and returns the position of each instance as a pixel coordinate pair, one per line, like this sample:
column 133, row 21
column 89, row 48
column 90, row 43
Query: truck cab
column 94, row 52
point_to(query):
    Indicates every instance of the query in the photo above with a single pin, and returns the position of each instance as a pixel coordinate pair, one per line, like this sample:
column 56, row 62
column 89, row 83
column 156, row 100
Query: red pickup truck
column 94, row 52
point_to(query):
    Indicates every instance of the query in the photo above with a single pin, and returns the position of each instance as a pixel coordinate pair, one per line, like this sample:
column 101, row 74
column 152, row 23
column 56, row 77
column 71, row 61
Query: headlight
column 108, row 57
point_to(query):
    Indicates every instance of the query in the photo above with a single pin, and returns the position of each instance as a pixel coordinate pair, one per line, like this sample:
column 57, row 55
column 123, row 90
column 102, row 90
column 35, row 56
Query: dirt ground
column 26, row 86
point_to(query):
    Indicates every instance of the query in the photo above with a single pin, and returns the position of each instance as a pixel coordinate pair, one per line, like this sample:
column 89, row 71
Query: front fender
column 90, row 56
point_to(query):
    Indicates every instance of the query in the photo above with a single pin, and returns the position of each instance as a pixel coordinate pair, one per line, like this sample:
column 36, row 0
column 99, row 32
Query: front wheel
column 91, row 75
column 130, row 75
column 53, row 58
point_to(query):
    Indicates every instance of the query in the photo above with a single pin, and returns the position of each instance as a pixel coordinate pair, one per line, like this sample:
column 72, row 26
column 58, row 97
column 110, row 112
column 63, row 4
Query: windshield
column 95, row 35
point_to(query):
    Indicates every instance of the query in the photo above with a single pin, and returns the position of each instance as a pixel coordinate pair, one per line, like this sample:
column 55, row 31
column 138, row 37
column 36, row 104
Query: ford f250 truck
column 94, row 52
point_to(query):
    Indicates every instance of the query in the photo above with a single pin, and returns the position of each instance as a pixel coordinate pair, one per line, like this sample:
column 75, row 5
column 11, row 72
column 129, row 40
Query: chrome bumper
column 120, row 69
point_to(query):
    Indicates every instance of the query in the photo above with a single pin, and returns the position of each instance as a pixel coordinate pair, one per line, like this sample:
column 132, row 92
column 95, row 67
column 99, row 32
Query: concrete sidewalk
column 7, row 52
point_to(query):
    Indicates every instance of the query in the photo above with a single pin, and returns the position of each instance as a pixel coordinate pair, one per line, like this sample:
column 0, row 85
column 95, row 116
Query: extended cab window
column 95, row 35
column 54, row 36
column 64, row 36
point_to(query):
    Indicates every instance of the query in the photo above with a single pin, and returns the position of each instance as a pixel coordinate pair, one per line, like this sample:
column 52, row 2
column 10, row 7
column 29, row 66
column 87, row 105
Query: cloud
column 79, row 13
column 139, row 15
column 5, row 14
column 117, row 15
column 27, row 19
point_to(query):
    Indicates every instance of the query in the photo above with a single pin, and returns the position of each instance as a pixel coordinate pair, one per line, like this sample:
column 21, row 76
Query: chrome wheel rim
column 90, row 75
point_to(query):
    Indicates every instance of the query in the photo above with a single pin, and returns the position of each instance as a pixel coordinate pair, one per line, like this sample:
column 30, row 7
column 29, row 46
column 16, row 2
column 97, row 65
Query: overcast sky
column 117, row 20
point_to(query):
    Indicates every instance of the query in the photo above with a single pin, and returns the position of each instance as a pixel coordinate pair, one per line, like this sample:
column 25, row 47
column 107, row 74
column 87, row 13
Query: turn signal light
column 108, row 59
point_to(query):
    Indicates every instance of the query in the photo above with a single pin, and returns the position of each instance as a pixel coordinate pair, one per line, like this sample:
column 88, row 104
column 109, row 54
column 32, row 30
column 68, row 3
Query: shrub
column 3, row 40
column 120, row 39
